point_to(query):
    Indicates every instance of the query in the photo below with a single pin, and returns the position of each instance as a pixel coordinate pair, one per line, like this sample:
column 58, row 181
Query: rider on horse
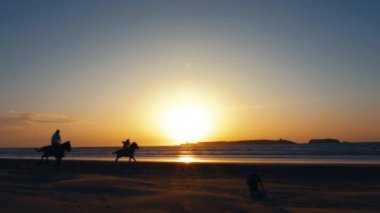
column 56, row 149
column 128, row 150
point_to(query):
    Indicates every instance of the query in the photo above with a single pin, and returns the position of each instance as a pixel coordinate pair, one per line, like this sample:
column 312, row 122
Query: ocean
column 343, row 153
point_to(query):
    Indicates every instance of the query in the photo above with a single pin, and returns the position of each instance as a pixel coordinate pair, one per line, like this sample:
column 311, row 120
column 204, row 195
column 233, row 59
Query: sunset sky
column 104, row 71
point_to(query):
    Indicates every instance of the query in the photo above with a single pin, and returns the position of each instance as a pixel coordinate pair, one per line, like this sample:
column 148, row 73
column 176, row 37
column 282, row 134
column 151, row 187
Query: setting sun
column 187, row 123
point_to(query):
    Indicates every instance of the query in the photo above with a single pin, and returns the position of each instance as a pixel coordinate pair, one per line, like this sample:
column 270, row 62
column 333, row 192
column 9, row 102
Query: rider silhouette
column 56, row 140
column 126, row 144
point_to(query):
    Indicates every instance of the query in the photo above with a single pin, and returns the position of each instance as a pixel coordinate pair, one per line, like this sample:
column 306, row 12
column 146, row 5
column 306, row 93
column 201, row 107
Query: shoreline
column 212, row 160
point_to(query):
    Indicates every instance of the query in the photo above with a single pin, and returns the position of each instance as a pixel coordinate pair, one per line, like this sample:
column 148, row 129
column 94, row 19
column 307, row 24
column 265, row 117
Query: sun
column 187, row 123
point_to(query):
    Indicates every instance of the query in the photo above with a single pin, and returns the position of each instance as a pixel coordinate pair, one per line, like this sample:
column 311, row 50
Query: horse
column 128, row 152
column 59, row 153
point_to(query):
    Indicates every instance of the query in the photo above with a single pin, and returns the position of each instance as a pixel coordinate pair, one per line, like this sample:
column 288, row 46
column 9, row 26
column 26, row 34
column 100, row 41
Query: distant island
column 324, row 141
column 272, row 142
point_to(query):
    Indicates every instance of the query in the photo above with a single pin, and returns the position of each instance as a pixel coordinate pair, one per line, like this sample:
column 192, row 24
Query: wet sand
column 95, row 186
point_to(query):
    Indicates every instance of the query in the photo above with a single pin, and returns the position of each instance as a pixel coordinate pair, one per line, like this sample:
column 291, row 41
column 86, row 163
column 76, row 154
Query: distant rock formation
column 323, row 141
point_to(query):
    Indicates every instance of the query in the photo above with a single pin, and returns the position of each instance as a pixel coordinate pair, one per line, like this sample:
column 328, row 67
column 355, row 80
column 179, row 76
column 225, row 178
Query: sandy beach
column 95, row 186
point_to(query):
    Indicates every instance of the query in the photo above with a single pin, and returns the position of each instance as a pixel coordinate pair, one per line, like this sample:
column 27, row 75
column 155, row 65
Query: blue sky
column 258, row 63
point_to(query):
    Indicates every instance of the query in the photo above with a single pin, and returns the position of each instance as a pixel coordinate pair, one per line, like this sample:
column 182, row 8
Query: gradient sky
column 102, row 71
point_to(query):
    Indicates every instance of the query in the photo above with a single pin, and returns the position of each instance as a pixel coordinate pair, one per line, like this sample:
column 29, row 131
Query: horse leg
column 129, row 159
column 117, row 158
column 58, row 161
column 134, row 158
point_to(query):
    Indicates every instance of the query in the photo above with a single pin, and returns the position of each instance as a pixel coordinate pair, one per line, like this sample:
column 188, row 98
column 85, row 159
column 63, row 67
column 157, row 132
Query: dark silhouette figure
column 255, row 185
column 126, row 144
column 127, row 152
column 58, row 151
column 56, row 139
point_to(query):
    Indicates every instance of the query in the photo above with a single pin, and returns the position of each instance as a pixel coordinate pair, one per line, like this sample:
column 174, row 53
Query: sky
column 104, row 71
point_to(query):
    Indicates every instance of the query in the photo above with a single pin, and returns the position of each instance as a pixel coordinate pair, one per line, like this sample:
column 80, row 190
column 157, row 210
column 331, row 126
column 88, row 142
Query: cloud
column 17, row 119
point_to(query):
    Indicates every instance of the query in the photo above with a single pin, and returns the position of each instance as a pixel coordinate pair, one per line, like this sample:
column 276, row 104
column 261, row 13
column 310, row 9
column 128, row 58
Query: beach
column 103, row 186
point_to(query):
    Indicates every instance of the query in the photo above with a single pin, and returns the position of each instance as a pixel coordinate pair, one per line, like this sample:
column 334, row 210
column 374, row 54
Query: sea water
column 343, row 153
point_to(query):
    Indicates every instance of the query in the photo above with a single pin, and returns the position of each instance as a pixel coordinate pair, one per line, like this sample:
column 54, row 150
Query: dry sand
column 90, row 186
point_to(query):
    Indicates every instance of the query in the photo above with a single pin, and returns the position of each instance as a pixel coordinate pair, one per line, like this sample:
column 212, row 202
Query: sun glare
column 186, row 159
column 187, row 123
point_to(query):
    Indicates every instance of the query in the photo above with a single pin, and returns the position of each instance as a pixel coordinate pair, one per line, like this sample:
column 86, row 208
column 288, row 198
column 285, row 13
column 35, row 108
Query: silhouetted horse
column 128, row 152
column 58, row 153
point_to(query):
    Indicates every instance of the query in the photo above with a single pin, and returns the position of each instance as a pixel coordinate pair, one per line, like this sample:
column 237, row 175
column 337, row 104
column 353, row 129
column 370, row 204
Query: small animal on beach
column 58, row 152
column 127, row 152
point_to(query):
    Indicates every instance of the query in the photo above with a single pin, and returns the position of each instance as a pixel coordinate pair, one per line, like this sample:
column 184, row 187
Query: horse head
column 134, row 146
column 67, row 146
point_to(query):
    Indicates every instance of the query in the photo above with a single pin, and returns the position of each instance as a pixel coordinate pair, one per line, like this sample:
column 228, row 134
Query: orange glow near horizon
column 188, row 115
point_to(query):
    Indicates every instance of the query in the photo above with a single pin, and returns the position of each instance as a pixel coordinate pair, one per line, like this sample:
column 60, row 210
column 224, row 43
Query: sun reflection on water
column 186, row 159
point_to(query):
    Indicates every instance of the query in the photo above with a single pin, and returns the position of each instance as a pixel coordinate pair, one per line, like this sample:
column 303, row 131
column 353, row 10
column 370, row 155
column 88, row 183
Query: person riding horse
column 128, row 150
column 56, row 149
